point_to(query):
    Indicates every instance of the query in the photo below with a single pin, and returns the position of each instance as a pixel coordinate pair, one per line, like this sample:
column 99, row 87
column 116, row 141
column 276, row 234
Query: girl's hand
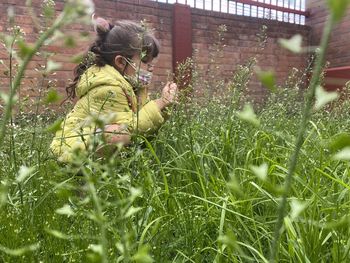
column 169, row 95
column 116, row 136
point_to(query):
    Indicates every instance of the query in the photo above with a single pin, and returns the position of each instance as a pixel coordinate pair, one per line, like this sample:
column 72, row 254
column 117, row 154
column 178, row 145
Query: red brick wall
column 339, row 47
column 241, row 43
column 240, row 40
column 156, row 14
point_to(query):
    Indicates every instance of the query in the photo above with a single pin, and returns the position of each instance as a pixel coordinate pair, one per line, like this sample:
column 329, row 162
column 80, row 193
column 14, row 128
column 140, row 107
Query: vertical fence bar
column 288, row 3
column 295, row 7
column 300, row 15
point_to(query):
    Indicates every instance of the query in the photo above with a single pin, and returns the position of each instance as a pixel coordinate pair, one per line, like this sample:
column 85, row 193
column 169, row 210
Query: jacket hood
column 96, row 76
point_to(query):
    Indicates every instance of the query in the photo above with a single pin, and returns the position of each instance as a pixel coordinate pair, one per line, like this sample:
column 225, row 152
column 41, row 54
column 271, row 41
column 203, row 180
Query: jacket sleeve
column 143, row 97
column 113, row 100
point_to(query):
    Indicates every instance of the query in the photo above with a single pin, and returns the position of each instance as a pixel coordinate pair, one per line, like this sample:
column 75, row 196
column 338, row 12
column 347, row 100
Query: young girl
column 113, row 88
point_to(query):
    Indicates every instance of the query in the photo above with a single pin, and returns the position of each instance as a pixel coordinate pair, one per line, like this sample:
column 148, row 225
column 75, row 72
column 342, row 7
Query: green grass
column 215, row 208
column 207, row 188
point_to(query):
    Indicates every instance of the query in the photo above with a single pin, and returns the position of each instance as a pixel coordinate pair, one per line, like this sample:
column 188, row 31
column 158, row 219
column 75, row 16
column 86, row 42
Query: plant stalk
column 17, row 81
column 300, row 137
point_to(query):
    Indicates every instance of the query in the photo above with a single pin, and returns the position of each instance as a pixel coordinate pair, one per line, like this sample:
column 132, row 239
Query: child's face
column 135, row 64
column 138, row 72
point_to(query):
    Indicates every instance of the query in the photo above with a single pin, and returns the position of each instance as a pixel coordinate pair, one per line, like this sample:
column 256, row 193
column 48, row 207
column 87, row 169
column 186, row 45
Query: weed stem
column 300, row 137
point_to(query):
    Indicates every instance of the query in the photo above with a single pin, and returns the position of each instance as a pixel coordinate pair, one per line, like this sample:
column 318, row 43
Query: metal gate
column 290, row 11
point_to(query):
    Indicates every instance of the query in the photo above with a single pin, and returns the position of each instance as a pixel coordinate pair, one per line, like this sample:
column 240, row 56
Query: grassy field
column 207, row 188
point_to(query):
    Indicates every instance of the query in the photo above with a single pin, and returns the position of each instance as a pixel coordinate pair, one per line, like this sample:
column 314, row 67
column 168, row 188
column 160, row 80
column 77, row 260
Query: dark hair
column 125, row 38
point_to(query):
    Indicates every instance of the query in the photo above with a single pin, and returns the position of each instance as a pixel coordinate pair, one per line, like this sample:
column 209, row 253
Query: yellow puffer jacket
column 104, row 93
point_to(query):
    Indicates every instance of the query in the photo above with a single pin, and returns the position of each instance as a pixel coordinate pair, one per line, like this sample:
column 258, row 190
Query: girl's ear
column 120, row 63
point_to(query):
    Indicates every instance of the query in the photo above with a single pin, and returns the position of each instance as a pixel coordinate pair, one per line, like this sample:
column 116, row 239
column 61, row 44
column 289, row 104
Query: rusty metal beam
column 339, row 72
column 335, row 78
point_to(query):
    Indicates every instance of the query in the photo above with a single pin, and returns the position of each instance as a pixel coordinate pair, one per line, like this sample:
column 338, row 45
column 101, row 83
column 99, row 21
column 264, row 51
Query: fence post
column 182, row 34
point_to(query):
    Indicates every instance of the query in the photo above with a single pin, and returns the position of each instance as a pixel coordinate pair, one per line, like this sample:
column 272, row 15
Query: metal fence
column 290, row 11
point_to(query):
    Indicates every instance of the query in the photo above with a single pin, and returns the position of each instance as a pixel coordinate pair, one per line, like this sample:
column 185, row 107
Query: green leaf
column 3, row 192
column 49, row 9
column 52, row 96
column 323, row 97
column 260, row 171
column 98, row 249
column 20, row 251
column 81, row 7
column 24, row 49
column 342, row 222
column 65, row 210
column 96, row 253
column 85, row 34
column 338, row 8
column 268, row 79
column 132, row 210
column 52, row 66
column 228, row 240
column 77, row 58
column 343, row 155
column 7, row 39
column 248, row 115
column 56, row 126
column 339, row 142
column 290, row 228
column 23, row 173
column 234, row 185
column 57, row 234
column 6, row 98
column 297, row 207
column 134, row 193
column 293, row 44
column 69, row 41
column 142, row 255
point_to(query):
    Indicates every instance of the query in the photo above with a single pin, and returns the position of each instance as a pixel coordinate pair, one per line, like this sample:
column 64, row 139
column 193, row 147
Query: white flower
column 89, row 6
column 85, row 7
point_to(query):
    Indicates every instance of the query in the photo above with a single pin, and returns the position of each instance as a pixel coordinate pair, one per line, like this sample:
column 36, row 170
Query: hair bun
column 101, row 26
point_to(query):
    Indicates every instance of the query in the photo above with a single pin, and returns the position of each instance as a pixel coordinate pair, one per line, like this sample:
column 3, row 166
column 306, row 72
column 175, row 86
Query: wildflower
column 83, row 7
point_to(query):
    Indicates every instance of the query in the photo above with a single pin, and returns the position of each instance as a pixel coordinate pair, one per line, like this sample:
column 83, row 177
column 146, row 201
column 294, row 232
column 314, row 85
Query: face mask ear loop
column 126, row 65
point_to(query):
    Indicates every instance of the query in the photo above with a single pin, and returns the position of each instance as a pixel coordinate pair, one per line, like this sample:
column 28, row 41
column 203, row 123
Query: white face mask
column 143, row 76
